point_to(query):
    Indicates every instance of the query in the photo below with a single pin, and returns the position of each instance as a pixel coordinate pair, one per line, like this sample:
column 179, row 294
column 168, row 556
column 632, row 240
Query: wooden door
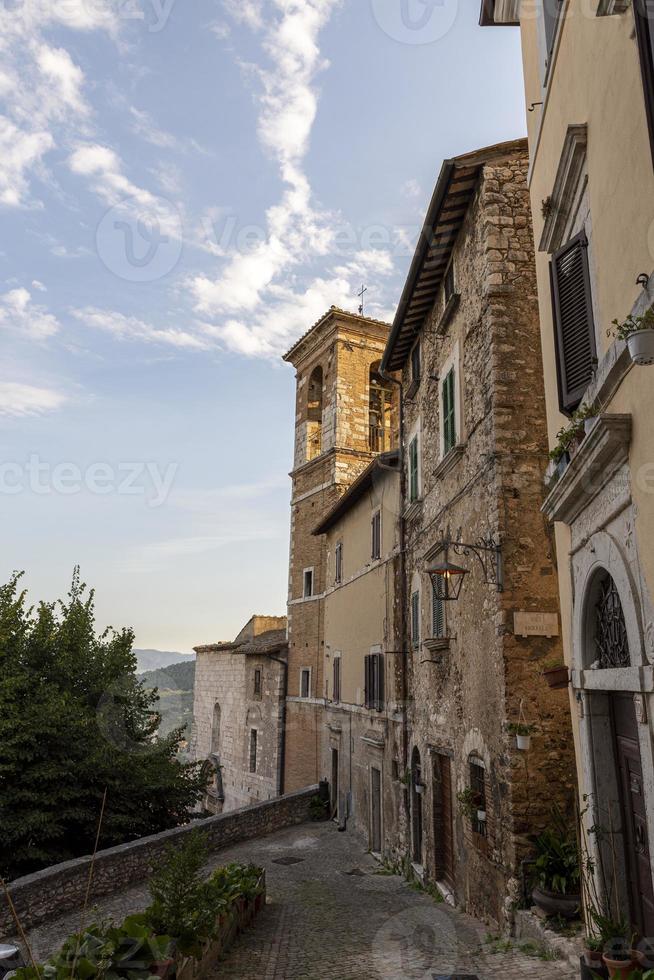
column 416, row 806
column 634, row 816
column 443, row 832
column 375, row 811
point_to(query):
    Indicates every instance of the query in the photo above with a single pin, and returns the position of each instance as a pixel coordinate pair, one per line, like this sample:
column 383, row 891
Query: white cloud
column 131, row 328
column 143, row 125
column 411, row 188
column 20, row 153
column 19, row 400
column 261, row 299
column 19, row 312
column 64, row 78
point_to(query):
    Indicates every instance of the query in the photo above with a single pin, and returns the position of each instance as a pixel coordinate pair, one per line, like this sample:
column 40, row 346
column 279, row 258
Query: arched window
column 611, row 645
column 314, row 413
column 380, row 412
column 215, row 730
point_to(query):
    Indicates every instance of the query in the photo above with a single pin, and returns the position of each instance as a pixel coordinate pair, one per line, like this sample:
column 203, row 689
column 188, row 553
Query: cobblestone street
column 330, row 913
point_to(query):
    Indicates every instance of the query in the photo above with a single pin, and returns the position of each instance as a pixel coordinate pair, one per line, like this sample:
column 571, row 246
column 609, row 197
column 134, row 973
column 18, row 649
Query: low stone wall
column 62, row 887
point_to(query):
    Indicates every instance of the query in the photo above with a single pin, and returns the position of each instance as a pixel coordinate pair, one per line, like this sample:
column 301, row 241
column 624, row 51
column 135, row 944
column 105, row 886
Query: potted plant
column 468, row 803
column 570, row 437
column 556, row 674
column 557, row 869
column 638, row 332
column 523, row 733
column 593, row 946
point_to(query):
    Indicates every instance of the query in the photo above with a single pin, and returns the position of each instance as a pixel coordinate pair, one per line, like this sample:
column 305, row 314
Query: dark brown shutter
column 380, row 682
column 367, row 693
column 574, row 329
column 644, row 17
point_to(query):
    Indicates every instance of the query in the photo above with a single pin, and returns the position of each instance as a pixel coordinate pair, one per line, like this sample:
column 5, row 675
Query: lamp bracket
column 486, row 550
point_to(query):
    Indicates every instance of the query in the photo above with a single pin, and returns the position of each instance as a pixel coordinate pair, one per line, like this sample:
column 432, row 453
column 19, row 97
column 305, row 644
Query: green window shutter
column 413, row 469
column 415, row 619
column 438, row 609
column 449, row 413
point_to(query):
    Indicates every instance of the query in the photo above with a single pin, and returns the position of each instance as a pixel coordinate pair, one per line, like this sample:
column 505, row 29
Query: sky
column 185, row 187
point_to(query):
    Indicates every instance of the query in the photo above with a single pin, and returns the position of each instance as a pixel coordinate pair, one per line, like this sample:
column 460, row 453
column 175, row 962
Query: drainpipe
column 281, row 772
column 405, row 733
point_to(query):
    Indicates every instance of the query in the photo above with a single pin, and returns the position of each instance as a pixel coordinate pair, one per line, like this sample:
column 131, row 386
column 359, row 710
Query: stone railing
column 62, row 887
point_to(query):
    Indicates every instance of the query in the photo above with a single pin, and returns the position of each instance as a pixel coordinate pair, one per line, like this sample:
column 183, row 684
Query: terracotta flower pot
column 557, row 677
column 162, row 968
column 593, row 957
column 619, row 968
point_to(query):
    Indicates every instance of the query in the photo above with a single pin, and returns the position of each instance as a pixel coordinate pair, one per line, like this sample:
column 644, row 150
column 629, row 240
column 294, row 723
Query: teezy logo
column 415, row 21
column 140, row 242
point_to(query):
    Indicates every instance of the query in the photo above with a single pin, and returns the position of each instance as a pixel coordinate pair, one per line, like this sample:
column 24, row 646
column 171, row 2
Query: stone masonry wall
column 463, row 696
column 59, row 889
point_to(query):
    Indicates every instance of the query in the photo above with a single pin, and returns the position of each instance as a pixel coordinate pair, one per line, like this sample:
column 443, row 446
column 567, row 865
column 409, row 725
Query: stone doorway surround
column 593, row 498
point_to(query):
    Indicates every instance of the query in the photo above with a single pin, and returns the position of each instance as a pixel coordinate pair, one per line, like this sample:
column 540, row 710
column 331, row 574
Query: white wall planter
column 523, row 742
column 641, row 346
column 420, row 788
column 481, row 816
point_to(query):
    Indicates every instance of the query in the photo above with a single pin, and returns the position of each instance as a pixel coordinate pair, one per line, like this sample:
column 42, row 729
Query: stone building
column 591, row 143
column 362, row 737
column 343, row 419
column 238, row 714
column 466, row 340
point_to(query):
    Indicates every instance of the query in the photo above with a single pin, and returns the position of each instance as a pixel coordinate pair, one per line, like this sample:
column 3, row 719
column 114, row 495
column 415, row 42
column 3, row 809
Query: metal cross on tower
column 364, row 290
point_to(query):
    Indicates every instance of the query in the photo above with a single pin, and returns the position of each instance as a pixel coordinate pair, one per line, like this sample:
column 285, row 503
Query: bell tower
column 343, row 419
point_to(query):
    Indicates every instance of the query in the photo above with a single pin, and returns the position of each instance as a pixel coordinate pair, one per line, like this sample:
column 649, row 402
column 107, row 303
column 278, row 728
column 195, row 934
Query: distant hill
column 175, row 685
column 154, row 659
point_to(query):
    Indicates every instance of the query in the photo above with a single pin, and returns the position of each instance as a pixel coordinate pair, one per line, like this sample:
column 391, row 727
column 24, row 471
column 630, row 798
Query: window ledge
column 449, row 461
column 600, row 456
column 413, row 511
column 451, row 307
column 372, row 738
column 437, row 644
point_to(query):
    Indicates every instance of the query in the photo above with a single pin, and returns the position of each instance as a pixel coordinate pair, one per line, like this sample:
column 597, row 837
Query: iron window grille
column 478, row 788
column 611, row 629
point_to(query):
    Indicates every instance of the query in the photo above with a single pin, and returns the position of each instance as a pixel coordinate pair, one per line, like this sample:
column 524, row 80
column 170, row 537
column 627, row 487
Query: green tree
column 74, row 721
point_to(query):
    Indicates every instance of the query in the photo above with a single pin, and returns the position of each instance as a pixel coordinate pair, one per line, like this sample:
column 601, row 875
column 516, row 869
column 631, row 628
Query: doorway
column 443, row 831
column 375, row 811
column 333, row 797
column 624, row 724
column 416, row 806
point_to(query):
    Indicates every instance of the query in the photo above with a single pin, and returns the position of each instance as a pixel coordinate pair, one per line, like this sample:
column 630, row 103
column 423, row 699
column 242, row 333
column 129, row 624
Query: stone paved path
column 330, row 914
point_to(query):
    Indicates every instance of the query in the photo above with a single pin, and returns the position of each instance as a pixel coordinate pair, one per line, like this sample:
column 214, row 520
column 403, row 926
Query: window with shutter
column 644, row 16
column 374, row 674
column 337, row 679
column 415, row 619
column 339, row 563
column 576, row 351
column 438, row 609
column 376, row 536
column 413, row 469
column 449, row 413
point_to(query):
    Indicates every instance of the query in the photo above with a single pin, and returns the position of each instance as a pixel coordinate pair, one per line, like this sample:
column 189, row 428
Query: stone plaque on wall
column 535, row 624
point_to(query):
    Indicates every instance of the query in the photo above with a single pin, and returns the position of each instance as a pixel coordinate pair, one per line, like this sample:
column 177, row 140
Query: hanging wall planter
column 481, row 816
column 523, row 733
column 638, row 332
column 557, row 677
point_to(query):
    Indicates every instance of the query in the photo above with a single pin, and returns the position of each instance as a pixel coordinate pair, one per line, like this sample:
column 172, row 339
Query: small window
column 257, row 682
column 253, row 750
column 416, row 366
column 376, row 536
column 448, row 284
column 374, row 681
column 305, row 682
column 413, row 470
column 449, row 413
column 415, row 619
column 308, row 583
column 478, row 788
column 551, row 13
column 574, row 328
column 338, row 577
column 336, row 693
column 438, row 608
